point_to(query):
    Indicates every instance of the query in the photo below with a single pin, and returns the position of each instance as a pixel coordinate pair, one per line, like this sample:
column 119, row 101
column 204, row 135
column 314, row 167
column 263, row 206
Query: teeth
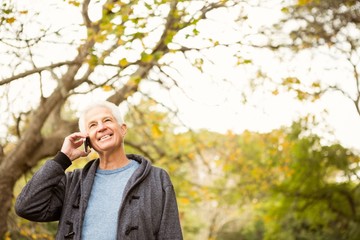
column 104, row 137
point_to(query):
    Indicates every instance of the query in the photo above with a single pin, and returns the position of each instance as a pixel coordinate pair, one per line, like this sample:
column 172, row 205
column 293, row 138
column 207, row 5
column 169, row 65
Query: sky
column 218, row 106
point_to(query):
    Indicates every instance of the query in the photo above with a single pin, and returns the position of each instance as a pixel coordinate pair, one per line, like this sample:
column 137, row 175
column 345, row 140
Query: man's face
column 105, row 133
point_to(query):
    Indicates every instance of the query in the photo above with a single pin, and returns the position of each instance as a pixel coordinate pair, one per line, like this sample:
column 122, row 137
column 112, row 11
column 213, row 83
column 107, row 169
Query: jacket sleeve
column 170, row 227
column 42, row 197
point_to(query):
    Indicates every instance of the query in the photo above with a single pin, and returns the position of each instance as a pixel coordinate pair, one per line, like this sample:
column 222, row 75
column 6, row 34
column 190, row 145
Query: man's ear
column 123, row 129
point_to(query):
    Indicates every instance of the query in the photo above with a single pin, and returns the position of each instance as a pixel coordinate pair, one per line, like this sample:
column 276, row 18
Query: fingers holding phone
column 71, row 146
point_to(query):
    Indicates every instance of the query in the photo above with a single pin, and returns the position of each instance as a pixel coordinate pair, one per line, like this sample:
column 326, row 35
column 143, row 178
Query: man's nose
column 100, row 126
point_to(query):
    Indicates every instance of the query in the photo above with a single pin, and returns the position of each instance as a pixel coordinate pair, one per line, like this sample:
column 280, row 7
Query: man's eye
column 91, row 125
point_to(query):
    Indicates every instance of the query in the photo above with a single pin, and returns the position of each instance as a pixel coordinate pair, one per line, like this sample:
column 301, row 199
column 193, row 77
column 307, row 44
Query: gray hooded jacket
column 148, row 209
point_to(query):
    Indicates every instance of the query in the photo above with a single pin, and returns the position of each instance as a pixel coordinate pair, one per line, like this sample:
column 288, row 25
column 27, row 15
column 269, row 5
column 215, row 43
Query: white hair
column 105, row 104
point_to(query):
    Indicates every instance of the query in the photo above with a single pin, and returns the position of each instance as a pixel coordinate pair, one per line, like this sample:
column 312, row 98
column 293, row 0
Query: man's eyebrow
column 105, row 117
column 90, row 122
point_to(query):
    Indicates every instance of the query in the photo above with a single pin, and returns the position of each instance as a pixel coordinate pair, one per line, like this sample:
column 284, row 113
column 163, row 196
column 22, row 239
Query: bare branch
column 33, row 71
column 132, row 85
column 140, row 148
column 85, row 14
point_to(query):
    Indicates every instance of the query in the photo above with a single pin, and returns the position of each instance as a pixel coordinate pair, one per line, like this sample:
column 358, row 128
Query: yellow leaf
column 135, row 79
column 146, row 57
column 285, row 10
column 7, row 236
column 107, row 88
column 315, row 85
column 99, row 38
column 123, row 62
column 304, row 2
column 184, row 200
column 291, row 80
column 275, row 92
column 75, row 3
column 10, row 20
column 156, row 132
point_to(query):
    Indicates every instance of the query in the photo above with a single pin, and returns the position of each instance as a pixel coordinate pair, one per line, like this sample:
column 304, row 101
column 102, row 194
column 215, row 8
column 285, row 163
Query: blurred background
column 251, row 106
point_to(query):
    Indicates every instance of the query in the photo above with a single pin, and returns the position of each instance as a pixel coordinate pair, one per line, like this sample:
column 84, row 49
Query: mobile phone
column 87, row 144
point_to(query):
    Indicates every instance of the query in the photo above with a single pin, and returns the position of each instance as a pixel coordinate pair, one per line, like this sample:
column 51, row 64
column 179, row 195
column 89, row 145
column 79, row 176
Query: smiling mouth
column 105, row 137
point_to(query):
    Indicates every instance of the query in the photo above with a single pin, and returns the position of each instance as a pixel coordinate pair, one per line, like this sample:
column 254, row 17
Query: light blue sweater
column 105, row 196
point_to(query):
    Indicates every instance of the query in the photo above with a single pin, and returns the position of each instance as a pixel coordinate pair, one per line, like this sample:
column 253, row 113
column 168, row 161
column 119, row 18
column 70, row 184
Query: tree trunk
column 6, row 188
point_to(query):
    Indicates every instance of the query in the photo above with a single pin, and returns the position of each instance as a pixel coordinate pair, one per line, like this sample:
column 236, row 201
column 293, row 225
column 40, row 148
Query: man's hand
column 72, row 143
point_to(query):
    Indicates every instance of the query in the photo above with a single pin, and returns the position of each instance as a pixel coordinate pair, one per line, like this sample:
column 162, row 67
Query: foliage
column 319, row 199
column 325, row 31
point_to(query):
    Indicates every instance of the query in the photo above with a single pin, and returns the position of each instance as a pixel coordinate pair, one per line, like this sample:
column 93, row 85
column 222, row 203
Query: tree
column 327, row 32
column 117, row 50
column 319, row 199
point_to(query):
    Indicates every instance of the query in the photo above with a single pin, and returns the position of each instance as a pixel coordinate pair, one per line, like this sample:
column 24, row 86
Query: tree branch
column 33, row 71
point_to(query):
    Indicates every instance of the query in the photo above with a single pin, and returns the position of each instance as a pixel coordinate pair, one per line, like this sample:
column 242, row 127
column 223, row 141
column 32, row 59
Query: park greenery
column 293, row 182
